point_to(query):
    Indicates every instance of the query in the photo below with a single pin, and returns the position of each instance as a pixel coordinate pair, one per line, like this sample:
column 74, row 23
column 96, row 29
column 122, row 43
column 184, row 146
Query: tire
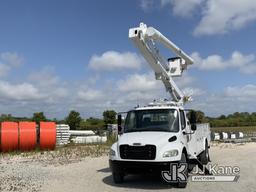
column 191, row 167
column 118, row 177
column 204, row 157
column 183, row 184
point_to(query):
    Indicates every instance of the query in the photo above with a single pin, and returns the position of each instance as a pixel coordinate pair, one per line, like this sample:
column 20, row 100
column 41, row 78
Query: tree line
column 237, row 119
column 76, row 122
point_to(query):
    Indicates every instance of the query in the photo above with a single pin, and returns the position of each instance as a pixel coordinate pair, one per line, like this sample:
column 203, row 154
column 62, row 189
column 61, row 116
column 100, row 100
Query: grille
column 147, row 152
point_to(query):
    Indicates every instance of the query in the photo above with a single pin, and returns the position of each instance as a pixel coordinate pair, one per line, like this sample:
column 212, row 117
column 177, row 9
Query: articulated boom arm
column 145, row 40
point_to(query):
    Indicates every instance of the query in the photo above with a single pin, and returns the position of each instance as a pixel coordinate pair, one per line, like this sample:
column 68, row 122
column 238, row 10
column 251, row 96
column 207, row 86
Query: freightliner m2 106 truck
column 161, row 134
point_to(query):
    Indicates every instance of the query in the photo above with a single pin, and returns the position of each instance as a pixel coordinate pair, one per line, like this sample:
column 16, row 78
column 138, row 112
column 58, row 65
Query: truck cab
column 155, row 136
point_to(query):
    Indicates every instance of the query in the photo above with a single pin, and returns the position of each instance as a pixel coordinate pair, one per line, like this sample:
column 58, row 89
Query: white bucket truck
column 160, row 134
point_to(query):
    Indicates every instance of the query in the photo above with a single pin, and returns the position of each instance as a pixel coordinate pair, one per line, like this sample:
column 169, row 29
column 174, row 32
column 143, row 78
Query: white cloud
column 188, row 85
column 23, row 91
column 217, row 16
column 191, row 91
column 212, row 62
column 143, row 88
column 146, row 4
column 185, row 80
column 44, row 77
column 139, row 82
column 90, row 94
column 49, row 83
column 231, row 99
column 249, row 69
column 31, row 92
column 113, row 60
column 41, row 91
column 222, row 16
column 246, row 91
column 244, row 63
column 12, row 59
column 183, row 8
column 4, row 69
column 44, row 90
column 139, row 96
column 9, row 60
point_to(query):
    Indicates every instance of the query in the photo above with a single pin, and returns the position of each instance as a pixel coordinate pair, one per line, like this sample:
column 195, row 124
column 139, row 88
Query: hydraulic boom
column 145, row 39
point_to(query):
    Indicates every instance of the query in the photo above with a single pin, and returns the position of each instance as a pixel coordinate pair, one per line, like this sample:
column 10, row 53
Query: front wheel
column 183, row 183
column 204, row 157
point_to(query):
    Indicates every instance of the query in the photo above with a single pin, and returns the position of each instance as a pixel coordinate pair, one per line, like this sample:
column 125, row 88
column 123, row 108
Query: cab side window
column 182, row 120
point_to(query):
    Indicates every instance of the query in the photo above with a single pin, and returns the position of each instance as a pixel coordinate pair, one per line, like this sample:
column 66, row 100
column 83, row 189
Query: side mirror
column 119, row 123
column 193, row 118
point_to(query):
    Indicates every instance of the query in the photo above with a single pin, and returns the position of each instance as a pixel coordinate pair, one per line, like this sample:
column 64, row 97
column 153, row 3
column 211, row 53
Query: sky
column 62, row 55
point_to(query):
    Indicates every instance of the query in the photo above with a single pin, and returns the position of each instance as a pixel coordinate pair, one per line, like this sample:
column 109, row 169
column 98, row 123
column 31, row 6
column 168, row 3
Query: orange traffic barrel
column 9, row 136
column 27, row 136
column 47, row 135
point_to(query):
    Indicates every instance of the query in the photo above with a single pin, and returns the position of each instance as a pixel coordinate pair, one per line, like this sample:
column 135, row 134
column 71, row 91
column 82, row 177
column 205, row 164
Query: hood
column 145, row 138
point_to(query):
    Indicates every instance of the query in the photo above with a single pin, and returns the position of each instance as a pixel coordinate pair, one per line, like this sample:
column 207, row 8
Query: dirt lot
column 69, row 171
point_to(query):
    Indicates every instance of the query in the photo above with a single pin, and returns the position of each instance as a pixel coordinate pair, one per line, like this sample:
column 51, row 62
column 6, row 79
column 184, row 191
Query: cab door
column 188, row 137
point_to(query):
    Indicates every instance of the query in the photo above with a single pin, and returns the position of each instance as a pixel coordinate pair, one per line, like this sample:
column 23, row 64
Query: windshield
column 152, row 120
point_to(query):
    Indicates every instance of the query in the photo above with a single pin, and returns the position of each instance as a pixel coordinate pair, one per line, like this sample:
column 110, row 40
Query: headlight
column 112, row 152
column 171, row 153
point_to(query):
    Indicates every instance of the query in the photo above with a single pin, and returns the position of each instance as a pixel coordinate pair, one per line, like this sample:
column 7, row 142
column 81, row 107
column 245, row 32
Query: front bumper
column 139, row 166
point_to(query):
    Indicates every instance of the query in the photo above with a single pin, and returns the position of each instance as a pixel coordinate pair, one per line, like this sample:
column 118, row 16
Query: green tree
column 109, row 117
column 73, row 120
column 39, row 116
column 200, row 117
column 92, row 124
column 222, row 117
column 7, row 117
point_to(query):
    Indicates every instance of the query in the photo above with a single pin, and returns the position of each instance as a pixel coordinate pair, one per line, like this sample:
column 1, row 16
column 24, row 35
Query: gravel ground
column 54, row 171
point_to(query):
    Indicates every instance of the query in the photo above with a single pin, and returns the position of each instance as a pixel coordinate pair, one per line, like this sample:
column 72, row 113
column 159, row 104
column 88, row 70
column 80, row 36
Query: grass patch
column 65, row 154
column 59, row 156
column 112, row 138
